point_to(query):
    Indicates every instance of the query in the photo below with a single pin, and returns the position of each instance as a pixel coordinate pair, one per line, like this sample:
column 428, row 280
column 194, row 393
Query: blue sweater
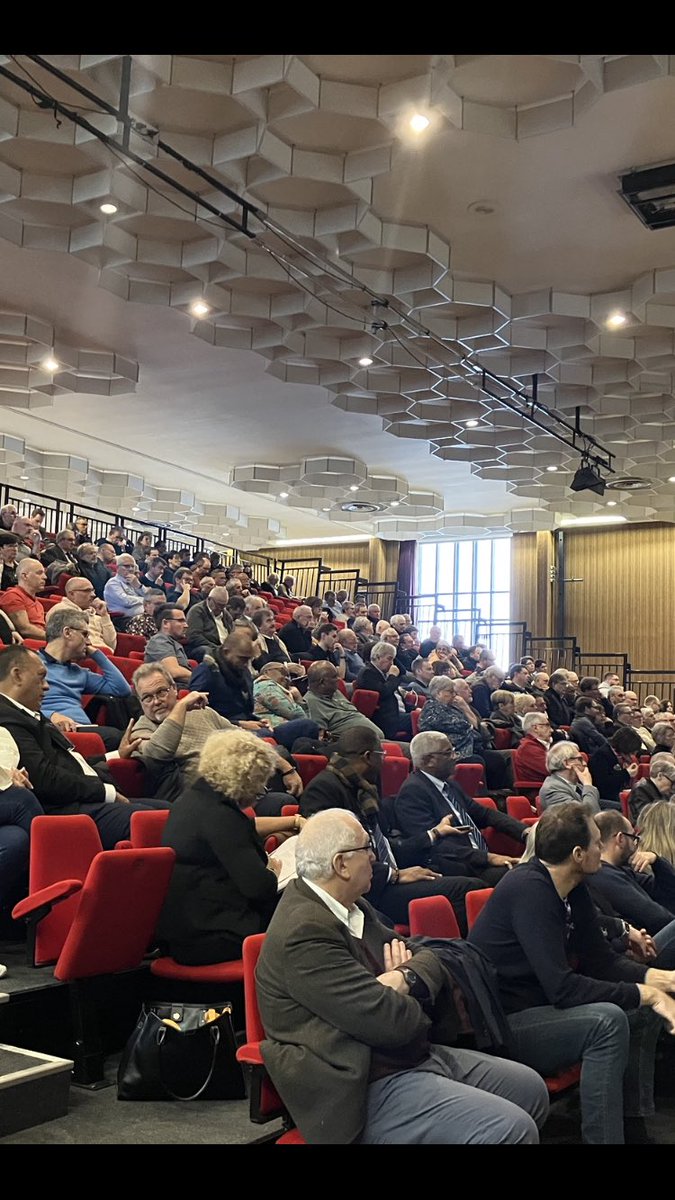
column 68, row 683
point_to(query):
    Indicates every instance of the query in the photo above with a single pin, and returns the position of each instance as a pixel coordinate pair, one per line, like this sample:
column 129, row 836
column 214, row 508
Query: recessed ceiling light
column 551, row 468
column 50, row 363
column 394, row 503
column 615, row 320
column 23, row 476
column 108, row 208
column 671, row 479
column 419, row 122
column 283, row 495
column 326, row 509
column 611, row 503
column 199, row 309
column 471, row 424
column 365, row 361
column 354, row 487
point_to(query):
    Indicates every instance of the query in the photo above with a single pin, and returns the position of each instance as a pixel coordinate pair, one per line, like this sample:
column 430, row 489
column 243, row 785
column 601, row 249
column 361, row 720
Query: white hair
column 559, row 756
column 424, row 745
column 533, row 718
column 324, row 835
column 440, row 684
column 382, row 650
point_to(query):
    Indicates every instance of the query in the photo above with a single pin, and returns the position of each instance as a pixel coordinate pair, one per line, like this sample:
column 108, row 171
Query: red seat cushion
column 224, row 972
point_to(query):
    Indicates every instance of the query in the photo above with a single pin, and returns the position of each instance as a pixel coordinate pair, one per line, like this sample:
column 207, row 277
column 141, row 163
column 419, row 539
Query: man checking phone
column 429, row 795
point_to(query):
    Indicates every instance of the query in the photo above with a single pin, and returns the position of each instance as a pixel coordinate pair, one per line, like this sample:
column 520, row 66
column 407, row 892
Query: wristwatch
column 417, row 988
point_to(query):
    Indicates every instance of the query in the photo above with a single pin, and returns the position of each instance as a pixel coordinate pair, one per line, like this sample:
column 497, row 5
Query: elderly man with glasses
column 569, row 778
column 123, row 593
column 529, row 760
column 81, row 596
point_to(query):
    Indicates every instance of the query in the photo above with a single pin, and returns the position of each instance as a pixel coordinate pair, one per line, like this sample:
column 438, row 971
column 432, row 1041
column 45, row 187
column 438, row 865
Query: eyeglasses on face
column 369, row 846
column 159, row 695
column 634, row 837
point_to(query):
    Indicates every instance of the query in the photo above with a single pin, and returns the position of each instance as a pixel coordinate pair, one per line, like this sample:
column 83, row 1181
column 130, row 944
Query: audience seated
column 123, row 592
column 297, row 633
column 401, row 870
column 518, row 679
column 382, row 676
column 168, row 645
column 226, row 678
column 287, row 586
column 9, row 545
column 145, row 624
column 663, row 733
column 208, row 623
column 639, row 884
column 223, row 887
column 568, row 778
column 328, row 707
column 153, row 571
column 8, row 515
column 446, row 711
column 558, row 1014
column 181, row 594
column 353, row 661
column 658, row 787
column 350, row 1057
column 525, row 702
column 279, row 704
column 422, row 673
column 62, row 552
column 18, row 807
column 529, row 760
column 613, row 766
column 482, row 689
column 326, row 648
column 20, row 603
column 429, row 794
column 91, row 567
column 539, row 682
column 588, row 726
column 555, row 698
column 81, row 596
column 63, row 781
column 503, row 715
column 67, row 645
column 657, row 831
column 29, row 539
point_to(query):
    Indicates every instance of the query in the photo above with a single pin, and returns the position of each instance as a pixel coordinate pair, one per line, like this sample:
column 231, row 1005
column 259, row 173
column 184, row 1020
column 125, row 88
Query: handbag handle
column 214, row 1034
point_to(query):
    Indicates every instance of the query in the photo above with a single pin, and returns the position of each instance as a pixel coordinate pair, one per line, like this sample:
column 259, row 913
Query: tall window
column 464, row 583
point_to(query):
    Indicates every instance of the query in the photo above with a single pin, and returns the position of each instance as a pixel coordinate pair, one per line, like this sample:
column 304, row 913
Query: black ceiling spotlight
column 588, row 479
column 650, row 193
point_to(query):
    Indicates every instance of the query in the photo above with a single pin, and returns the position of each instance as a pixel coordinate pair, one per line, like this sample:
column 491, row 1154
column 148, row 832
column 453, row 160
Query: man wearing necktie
column 429, row 794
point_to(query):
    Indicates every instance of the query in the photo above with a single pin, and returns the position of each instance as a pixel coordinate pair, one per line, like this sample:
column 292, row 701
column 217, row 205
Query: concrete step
column 33, row 1088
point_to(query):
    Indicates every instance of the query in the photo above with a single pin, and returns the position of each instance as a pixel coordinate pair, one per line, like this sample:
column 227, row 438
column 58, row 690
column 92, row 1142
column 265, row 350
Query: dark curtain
column 405, row 580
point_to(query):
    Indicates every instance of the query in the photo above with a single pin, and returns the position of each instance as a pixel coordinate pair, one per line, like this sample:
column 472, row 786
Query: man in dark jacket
column 91, row 567
column 383, row 677
column 588, row 725
column 555, row 700
column 646, row 900
column 297, row 634
column 209, row 624
column 657, row 788
column 612, row 768
column 62, row 781
column 569, row 997
column 350, row 781
column 429, row 794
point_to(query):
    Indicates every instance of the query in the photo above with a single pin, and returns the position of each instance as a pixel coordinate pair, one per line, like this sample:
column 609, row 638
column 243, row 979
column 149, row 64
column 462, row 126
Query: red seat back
column 127, row 666
column 147, row 827
column 310, row 765
column 502, row 739
column 126, row 642
column 89, row 745
column 118, row 910
column 269, row 1102
column 415, row 720
column 519, row 807
column 60, row 848
column 129, row 777
column 624, row 798
column 342, row 687
column 365, row 701
column 393, row 749
column 470, row 777
column 393, row 774
column 475, row 903
column 136, row 656
column 433, row 916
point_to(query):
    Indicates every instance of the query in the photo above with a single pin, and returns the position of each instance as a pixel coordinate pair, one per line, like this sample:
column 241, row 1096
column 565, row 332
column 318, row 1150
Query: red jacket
column 529, row 760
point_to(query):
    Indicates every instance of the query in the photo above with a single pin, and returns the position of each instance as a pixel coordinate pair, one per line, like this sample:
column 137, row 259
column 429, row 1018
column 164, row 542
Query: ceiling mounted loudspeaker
column 588, row 479
column 361, row 506
column 629, row 483
column 650, row 193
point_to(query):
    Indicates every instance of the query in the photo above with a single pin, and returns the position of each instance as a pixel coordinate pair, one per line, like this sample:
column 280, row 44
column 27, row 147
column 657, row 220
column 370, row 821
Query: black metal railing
column 556, row 652
column 602, row 663
column 651, row 683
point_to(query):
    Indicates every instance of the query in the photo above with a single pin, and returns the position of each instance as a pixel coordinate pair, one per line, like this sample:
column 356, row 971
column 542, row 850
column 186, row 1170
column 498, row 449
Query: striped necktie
column 477, row 840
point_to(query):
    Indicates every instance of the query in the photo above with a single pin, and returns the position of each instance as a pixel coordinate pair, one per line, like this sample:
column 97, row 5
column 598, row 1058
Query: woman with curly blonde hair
column 657, row 829
column 223, row 888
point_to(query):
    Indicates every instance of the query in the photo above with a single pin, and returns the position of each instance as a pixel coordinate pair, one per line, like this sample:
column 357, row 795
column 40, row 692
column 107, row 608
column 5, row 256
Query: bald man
column 81, row 597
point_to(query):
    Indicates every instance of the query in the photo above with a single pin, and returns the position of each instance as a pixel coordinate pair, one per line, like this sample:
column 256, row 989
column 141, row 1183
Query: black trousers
column 395, row 897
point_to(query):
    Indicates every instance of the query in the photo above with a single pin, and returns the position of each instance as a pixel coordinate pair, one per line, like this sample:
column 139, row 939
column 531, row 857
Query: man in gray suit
column 344, row 1004
column 208, row 624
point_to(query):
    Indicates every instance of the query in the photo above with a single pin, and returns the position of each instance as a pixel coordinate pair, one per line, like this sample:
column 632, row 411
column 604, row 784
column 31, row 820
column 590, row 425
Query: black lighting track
column 529, row 407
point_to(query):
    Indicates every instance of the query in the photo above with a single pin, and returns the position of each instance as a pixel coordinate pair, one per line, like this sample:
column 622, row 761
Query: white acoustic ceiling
column 496, row 235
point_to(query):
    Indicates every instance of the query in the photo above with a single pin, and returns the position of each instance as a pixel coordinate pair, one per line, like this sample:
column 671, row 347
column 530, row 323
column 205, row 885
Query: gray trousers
column 477, row 1100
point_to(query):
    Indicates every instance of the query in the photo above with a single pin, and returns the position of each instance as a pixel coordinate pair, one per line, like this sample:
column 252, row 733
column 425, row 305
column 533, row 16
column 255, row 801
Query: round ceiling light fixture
column 472, row 424
column 551, row 468
column 50, row 363
column 108, row 208
column 199, row 309
column 365, row 361
column 615, row 320
column 418, row 123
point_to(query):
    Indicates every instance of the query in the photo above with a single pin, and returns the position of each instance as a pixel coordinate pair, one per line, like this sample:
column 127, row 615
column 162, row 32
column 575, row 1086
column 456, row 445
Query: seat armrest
column 46, row 898
column 250, row 1054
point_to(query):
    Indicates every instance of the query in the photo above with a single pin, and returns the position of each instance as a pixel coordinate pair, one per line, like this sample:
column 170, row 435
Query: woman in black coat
column 223, row 887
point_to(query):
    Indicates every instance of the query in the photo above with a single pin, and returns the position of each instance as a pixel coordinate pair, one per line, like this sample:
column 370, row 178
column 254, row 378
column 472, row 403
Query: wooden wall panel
column 375, row 559
column 625, row 602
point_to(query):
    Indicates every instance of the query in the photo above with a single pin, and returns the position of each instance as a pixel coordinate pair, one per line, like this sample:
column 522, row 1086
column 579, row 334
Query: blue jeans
column 664, row 941
column 475, row 1099
column 18, row 806
column 616, row 1051
column 286, row 733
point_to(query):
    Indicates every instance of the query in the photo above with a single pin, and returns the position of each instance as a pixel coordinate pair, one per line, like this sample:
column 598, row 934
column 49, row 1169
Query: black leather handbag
column 181, row 1052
